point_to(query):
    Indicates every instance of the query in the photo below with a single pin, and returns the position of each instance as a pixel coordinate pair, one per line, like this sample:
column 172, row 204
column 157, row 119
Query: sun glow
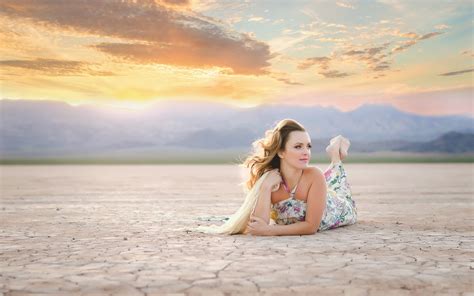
column 245, row 104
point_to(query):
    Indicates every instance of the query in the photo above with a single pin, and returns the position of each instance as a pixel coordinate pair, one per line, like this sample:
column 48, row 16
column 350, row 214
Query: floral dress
column 340, row 207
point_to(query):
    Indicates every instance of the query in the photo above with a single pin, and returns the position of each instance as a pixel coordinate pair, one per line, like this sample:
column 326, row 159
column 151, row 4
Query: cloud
column 468, row 52
column 381, row 67
column 456, row 72
column 429, row 35
column 370, row 51
column 175, row 2
column 322, row 62
column 345, row 5
column 373, row 57
column 283, row 77
column 278, row 21
column 407, row 35
column 288, row 81
column 404, row 46
column 395, row 4
column 199, row 57
column 54, row 67
column 442, row 27
column 415, row 39
column 329, row 39
column 149, row 29
column 334, row 74
column 376, row 57
column 257, row 19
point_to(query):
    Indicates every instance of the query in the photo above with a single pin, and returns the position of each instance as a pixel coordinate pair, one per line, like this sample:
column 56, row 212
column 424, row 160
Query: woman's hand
column 257, row 226
column 273, row 180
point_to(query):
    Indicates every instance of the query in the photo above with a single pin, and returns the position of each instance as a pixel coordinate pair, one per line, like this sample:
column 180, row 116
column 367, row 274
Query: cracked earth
column 98, row 230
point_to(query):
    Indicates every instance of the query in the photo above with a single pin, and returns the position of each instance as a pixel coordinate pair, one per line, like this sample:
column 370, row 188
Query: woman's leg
column 336, row 177
column 333, row 150
column 340, row 208
column 335, row 174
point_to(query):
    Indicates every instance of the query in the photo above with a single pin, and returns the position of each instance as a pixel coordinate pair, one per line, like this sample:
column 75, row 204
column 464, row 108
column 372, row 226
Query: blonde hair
column 264, row 156
column 263, row 159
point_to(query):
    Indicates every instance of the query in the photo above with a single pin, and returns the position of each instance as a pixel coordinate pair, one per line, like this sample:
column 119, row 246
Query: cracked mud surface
column 97, row 230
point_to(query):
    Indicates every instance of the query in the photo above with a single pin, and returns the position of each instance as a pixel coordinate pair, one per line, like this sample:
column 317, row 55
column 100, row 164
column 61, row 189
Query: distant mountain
column 40, row 128
column 235, row 137
column 452, row 142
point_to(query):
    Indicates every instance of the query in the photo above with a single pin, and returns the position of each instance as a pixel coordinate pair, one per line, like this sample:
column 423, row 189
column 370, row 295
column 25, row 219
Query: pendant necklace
column 286, row 186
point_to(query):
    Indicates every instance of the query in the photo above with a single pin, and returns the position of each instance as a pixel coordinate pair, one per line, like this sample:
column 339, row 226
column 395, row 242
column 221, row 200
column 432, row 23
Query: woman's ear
column 280, row 154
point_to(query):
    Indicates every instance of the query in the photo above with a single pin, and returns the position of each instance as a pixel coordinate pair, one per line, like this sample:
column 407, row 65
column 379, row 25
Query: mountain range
column 45, row 128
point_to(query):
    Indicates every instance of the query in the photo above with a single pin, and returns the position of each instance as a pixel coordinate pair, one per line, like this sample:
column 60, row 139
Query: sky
column 414, row 55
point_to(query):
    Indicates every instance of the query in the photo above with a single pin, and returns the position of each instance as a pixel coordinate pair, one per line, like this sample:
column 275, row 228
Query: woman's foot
column 339, row 144
column 345, row 144
column 333, row 149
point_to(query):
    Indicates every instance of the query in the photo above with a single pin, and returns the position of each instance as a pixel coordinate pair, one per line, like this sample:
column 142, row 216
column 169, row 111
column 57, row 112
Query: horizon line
column 144, row 106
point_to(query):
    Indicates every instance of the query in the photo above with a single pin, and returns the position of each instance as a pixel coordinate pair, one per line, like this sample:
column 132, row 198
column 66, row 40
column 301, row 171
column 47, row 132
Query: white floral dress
column 340, row 207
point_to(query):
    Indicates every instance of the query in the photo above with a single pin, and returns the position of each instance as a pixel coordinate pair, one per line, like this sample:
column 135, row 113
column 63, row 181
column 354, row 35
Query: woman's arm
column 298, row 228
column 315, row 205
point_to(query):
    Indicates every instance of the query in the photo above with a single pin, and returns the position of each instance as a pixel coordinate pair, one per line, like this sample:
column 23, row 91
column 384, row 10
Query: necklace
column 286, row 186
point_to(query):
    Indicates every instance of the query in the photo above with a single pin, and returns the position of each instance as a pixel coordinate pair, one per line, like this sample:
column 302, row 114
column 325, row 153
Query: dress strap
column 292, row 193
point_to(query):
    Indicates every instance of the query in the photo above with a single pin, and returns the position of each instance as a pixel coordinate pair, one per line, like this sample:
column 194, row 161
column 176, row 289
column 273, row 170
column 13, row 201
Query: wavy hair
column 264, row 156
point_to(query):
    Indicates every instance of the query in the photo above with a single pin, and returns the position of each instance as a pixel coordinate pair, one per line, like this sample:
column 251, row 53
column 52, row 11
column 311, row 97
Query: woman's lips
column 305, row 160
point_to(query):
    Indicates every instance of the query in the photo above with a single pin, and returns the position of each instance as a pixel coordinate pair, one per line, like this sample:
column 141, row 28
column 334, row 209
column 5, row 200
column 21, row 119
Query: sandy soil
column 96, row 230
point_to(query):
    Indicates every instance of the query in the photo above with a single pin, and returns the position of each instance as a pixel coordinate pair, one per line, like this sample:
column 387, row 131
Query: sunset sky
column 415, row 55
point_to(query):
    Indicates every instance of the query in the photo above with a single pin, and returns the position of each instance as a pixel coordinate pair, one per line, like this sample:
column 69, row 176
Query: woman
column 286, row 196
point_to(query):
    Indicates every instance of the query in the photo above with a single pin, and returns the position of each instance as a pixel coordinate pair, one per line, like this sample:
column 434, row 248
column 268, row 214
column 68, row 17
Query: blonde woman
column 285, row 195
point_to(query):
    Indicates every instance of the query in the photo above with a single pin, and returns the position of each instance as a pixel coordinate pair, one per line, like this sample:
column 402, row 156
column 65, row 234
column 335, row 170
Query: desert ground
column 117, row 229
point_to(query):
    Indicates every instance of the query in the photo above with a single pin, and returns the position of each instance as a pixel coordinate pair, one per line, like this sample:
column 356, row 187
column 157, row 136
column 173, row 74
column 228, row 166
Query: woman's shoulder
column 314, row 173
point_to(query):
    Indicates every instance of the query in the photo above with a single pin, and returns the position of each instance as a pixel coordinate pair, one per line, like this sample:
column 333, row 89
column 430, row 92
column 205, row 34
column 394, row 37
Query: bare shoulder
column 314, row 171
column 315, row 175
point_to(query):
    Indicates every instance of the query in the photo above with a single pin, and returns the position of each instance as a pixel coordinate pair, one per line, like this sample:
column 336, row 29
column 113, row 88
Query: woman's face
column 297, row 150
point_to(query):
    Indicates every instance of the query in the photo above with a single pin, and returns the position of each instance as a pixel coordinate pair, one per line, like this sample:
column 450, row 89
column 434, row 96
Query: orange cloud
column 225, row 55
column 54, row 67
column 152, row 32
column 457, row 72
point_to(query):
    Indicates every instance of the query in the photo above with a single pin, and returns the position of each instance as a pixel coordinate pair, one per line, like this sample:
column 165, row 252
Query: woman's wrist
column 271, row 230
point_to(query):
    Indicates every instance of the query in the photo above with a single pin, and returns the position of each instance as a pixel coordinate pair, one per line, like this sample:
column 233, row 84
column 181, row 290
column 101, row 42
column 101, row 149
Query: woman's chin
column 303, row 164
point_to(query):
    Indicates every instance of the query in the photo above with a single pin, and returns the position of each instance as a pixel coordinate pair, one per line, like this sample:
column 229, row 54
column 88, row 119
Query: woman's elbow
column 312, row 229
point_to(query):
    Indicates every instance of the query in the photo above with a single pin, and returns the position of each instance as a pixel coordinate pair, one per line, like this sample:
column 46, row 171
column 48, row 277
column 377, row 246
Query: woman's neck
column 290, row 174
